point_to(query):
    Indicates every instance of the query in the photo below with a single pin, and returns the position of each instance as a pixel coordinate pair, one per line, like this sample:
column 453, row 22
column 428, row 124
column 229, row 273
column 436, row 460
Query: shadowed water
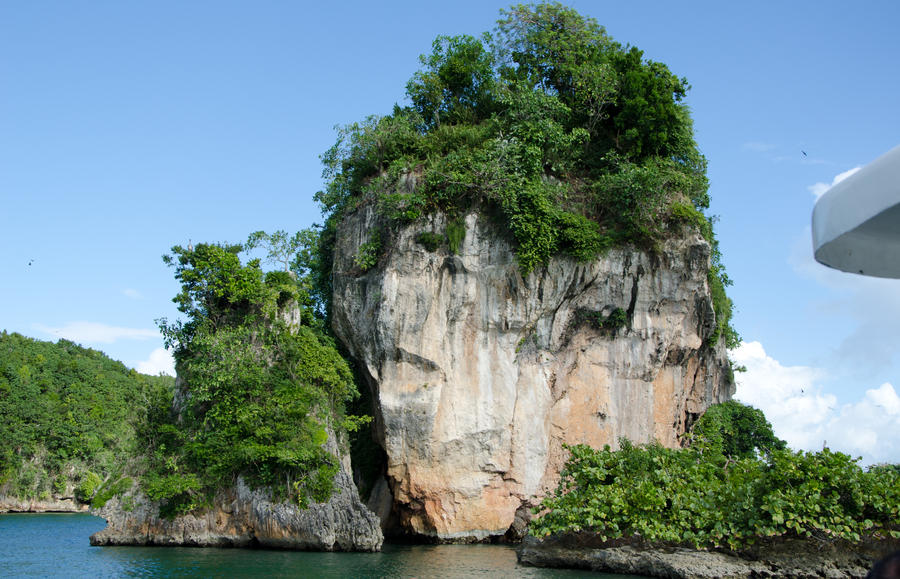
column 56, row 545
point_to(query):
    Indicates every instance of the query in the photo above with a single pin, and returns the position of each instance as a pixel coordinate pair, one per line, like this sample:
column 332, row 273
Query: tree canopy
column 736, row 431
column 68, row 417
column 572, row 141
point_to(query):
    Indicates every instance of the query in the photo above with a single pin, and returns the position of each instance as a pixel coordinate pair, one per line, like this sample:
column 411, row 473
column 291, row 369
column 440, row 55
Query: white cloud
column 132, row 293
column 160, row 361
column 787, row 395
column 819, row 189
column 871, row 306
column 807, row 417
column 93, row 333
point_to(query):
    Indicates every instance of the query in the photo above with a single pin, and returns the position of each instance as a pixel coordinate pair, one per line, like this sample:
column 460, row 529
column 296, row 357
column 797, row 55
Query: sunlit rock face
column 480, row 375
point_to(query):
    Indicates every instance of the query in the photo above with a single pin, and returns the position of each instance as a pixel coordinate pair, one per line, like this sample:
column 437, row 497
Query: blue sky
column 129, row 127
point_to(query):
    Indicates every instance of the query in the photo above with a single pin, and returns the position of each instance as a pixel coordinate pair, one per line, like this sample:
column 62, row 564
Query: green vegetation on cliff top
column 573, row 142
column 261, row 387
column 68, row 418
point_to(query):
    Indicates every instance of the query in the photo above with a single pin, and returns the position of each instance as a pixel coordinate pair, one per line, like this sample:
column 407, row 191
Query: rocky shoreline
column 53, row 505
column 241, row 517
column 799, row 558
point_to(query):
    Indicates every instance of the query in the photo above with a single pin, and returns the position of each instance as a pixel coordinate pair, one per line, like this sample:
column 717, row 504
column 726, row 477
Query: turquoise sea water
column 56, row 545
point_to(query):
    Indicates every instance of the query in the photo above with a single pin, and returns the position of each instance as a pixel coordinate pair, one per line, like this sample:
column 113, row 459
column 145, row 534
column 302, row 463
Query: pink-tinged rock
column 481, row 374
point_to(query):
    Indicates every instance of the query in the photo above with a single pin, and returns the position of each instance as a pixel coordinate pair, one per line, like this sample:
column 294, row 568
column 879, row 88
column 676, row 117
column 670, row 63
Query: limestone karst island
column 511, row 326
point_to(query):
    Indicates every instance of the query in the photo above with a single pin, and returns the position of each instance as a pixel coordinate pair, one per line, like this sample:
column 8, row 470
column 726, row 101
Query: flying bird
column 30, row 261
column 804, row 152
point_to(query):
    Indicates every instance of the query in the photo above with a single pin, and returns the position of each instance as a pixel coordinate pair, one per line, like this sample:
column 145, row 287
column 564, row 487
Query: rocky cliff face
column 480, row 374
column 241, row 517
column 244, row 517
column 55, row 504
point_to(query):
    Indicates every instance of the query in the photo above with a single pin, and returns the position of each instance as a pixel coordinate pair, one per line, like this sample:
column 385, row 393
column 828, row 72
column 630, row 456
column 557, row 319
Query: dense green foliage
column 572, row 141
column 68, row 417
column 703, row 497
column 736, row 430
column 260, row 389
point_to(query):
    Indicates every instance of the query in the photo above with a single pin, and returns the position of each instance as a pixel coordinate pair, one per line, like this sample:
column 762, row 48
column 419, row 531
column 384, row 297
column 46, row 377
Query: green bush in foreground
column 701, row 497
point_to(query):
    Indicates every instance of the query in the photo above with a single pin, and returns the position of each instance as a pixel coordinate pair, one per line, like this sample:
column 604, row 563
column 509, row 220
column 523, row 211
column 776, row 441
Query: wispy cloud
column 159, row 362
column 808, row 417
column 758, row 147
column 132, row 293
column 95, row 333
column 819, row 189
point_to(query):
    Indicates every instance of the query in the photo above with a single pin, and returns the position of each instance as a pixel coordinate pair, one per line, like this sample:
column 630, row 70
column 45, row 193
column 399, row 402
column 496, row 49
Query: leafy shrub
column 179, row 493
column 111, row 489
column 610, row 323
column 87, row 487
column 316, row 485
column 60, row 483
column 430, row 240
column 456, row 234
column 615, row 320
column 367, row 256
column 698, row 497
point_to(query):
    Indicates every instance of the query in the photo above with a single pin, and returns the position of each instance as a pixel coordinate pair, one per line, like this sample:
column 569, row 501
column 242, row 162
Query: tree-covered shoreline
column 69, row 419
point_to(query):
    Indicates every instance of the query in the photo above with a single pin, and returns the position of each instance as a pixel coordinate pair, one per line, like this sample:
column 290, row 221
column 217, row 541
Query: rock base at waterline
column 774, row 558
column 242, row 517
column 53, row 505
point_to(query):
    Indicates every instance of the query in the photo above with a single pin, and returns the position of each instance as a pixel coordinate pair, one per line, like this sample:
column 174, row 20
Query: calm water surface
column 56, row 545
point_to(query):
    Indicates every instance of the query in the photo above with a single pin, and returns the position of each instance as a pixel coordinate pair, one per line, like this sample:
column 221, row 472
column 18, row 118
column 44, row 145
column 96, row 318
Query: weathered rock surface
column 52, row 505
column 241, row 517
column 776, row 558
column 245, row 517
column 480, row 375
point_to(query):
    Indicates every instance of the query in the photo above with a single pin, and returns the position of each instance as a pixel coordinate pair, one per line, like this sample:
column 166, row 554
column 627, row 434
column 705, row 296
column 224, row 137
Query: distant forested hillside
column 68, row 417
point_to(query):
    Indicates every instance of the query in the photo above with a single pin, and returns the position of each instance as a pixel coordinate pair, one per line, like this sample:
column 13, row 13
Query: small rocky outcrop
column 52, row 505
column 241, row 517
column 480, row 375
column 802, row 558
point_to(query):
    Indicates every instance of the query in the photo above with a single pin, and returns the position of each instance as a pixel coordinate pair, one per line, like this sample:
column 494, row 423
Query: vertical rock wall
column 480, row 375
